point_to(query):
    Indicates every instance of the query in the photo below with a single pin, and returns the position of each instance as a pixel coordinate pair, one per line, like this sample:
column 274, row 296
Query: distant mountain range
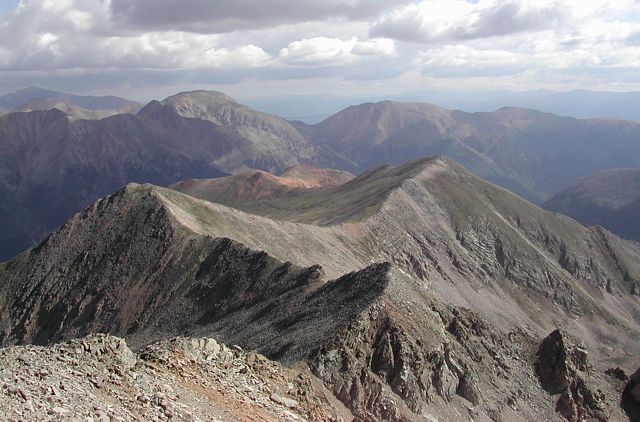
column 34, row 98
column 582, row 104
column 411, row 292
column 578, row 103
column 532, row 153
column 76, row 112
column 610, row 198
column 60, row 158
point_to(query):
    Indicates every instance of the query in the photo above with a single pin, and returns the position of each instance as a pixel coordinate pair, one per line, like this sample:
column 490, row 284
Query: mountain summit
column 259, row 134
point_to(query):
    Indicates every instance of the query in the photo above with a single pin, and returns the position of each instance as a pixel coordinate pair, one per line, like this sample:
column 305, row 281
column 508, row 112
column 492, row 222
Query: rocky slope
column 412, row 292
column 608, row 198
column 313, row 177
column 100, row 378
column 531, row 153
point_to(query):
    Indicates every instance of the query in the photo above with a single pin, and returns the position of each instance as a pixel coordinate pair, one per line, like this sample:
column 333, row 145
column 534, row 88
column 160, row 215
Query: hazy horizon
column 314, row 108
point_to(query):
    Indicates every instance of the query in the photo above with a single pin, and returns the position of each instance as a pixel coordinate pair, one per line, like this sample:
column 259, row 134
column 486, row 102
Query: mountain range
column 47, row 157
column 610, row 198
column 532, row 153
column 412, row 292
column 57, row 156
column 581, row 103
column 86, row 107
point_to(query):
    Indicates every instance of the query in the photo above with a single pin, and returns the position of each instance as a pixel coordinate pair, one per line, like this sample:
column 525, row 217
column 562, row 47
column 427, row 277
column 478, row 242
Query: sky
column 144, row 49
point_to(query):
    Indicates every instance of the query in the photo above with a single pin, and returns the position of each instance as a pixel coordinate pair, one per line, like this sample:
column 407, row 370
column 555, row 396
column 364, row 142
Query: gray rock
column 285, row 401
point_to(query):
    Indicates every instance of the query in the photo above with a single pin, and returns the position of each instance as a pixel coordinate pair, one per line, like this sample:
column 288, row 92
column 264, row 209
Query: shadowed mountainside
column 608, row 198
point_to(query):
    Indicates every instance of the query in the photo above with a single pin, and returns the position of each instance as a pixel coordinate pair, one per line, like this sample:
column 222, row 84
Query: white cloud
column 454, row 20
column 179, row 50
column 332, row 51
column 498, row 38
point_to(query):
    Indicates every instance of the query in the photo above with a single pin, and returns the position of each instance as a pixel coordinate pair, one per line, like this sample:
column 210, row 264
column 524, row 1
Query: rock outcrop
column 631, row 397
column 633, row 387
column 563, row 368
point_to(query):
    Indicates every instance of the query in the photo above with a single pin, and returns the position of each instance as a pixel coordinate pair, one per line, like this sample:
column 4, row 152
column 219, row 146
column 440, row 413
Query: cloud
column 456, row 20
column 231, row 15
column 377, row 43
column 330, row 51
column 454, row 61
column 78, row 34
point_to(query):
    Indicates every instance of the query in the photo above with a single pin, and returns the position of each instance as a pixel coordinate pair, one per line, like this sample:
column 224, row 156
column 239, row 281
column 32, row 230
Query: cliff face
column 412, row 292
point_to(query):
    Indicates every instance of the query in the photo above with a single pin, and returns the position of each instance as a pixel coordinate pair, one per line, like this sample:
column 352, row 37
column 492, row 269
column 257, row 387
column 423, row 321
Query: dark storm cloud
column 230, row 15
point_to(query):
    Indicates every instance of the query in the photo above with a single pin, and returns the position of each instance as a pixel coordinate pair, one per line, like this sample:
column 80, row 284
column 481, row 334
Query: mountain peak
column 214, row 106
column 204, row 105
column 201, row 97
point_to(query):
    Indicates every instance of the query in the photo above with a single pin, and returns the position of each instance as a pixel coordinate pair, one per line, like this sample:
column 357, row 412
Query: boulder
column 562, row 367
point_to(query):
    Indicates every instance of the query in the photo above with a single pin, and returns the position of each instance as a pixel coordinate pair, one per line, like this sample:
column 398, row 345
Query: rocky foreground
column 98, row 378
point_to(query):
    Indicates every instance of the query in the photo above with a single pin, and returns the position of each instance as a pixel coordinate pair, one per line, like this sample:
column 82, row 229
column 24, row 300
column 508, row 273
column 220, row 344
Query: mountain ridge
column 73, row 111
column 432, row 299
column 21, row 97
column 219, row 135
